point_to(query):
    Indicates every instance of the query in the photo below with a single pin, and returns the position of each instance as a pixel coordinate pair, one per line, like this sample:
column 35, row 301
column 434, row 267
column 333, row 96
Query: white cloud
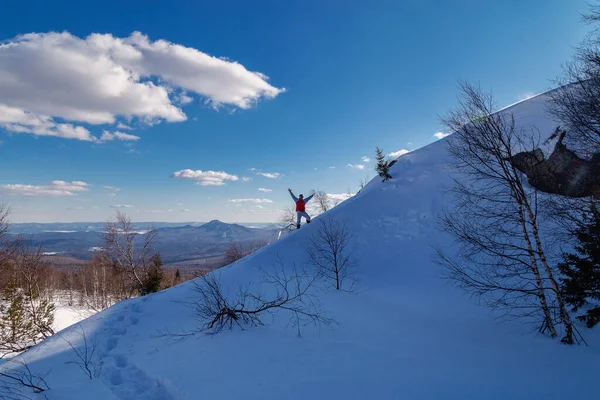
column 160, row 211
column 185, row 210
column 332, row 167
column 98, row 78
column 205, row 178
column 246, row 179
column 182, row 98
column 121, row 206
column 75, row 208
column 339, row 196
column 113, row 188
column 270, row 175
column 54, row 189
column 112, row 195
column 264, row 190
column 440, row 135
column 357, row 166
column 121, row 125
column 19, row 120
column 399, row 153
column 366, row 159
column 257, row 201
column 108, row 136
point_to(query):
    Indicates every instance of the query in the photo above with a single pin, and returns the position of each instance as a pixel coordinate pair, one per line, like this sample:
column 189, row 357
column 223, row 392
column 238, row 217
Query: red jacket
column 301, row 203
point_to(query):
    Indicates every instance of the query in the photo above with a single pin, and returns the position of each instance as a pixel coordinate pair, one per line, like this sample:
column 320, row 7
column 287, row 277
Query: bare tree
column 292, row 292
column 234, row 252
column 322, row 200
column 286, row 222
column 121, row 247
column 16, row 378
column 501, row 259
column 330, row 251
column 87, row 357
column 237, row 250
column 363, row 182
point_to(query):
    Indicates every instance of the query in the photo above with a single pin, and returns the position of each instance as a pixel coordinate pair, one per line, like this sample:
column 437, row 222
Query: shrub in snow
column 291, row 292
column 330, row 252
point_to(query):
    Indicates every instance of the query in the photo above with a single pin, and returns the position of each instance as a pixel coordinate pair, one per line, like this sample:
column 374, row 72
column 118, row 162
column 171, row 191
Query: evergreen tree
column 24, row 319
column 154, row 276
column 383, row 165
column 581, row 271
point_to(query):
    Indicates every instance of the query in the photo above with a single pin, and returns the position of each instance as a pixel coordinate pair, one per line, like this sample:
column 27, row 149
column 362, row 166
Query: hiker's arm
column 306, row 200
column 292, row 194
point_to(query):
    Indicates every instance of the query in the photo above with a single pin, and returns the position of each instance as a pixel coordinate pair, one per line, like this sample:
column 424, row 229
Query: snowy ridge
column 407, row 334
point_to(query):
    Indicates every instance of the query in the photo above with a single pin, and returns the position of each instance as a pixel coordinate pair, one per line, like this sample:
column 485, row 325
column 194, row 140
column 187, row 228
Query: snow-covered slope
column 406, row 334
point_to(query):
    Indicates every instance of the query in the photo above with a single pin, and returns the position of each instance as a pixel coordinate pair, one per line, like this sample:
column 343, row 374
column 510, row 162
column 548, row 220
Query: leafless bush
column 322, row 200
column 292, row 292
column 362, row 182
column 86, row 355
column 286, row 222
column 330, row 251
column 17, row 381
column 237, row 250
column 122, row 249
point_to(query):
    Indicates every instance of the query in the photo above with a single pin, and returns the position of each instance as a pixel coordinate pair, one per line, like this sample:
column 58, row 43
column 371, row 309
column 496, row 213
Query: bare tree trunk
column 548, row 323
column 564, row 315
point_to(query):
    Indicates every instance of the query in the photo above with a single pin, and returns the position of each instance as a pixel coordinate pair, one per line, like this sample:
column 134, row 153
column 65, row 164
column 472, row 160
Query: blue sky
column 133, row 111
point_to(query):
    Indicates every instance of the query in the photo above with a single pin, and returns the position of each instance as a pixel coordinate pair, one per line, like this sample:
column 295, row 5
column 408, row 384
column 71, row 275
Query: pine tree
column 23, row 320
column 581, row 271
column 383, row 165
column 154, row 276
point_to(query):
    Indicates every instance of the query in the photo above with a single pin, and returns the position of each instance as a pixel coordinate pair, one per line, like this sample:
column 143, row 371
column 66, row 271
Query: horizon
column 195, row 112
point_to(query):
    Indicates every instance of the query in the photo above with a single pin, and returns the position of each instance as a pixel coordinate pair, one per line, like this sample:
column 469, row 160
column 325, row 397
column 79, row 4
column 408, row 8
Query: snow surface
column 65, row 316
column 407, row 334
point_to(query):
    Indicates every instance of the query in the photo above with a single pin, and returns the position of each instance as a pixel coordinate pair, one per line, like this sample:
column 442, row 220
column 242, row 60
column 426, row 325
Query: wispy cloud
column 125, row 137
column 112, row 195
column 185, row 210
column 440, row 135
column 121, row 125
column 270, row 175
column 257, row 201
column 366, row 159
column 399, row 153
column 264, row 190
column 357, row 166
column 54, row 189
column 113, row 188
column 121, row 206
column 205, row 178
column 339, row 196
column 75, row 208
column 246, row 179
column 99, row 78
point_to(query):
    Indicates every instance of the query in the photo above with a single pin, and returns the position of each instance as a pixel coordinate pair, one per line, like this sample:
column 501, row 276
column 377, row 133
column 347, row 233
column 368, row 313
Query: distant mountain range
column 204, row 243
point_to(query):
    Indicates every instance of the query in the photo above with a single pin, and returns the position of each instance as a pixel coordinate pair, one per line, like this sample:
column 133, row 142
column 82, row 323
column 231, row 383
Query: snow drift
column 406, row 334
